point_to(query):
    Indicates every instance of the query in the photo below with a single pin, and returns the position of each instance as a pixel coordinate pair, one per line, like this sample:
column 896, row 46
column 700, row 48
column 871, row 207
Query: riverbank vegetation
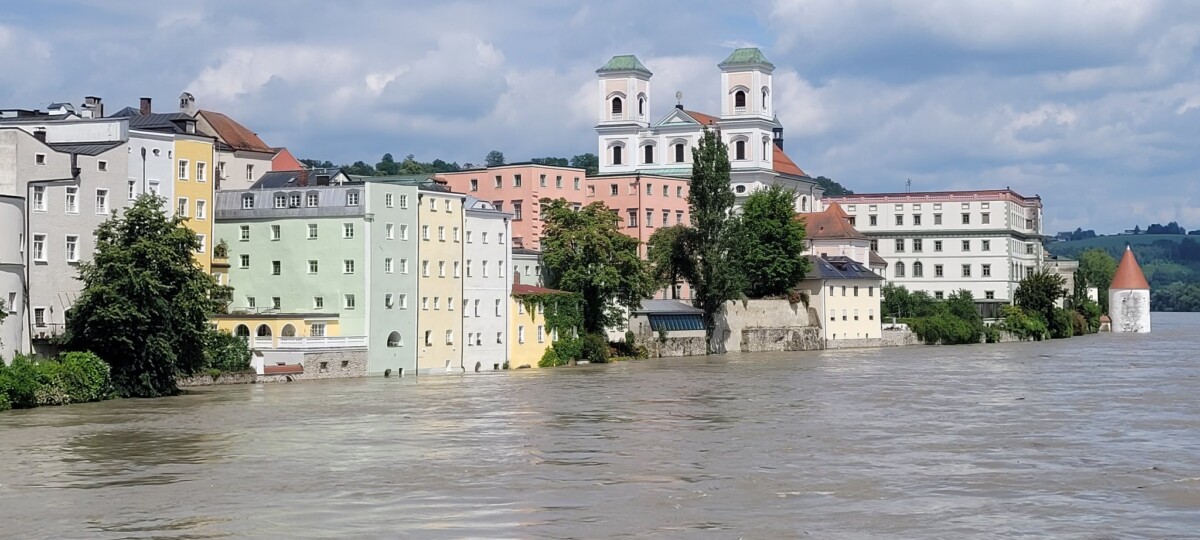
column 142, row 319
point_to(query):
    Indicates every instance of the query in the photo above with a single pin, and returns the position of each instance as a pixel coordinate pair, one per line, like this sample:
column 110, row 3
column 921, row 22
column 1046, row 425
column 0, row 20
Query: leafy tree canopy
column 552, row 161
column 832, row 188
column 768, row 243
column 715, row 276
column 588, row 162
column 667, row 253
column 1039, row 293
column 495, row 158
column 584, row 252
column 145, row 302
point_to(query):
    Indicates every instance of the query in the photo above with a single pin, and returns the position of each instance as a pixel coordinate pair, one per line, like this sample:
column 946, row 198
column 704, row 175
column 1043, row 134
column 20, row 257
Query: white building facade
column 629, row 143
column 485, row 289
column 983, row 241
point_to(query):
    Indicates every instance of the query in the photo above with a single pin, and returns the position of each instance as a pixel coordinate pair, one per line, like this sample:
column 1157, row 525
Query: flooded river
column 1095, row 437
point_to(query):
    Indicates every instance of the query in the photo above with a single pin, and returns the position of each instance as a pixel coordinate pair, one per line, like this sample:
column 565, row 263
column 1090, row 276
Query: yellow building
column 194, row 183
column 847, row 296
column 440, row 281
column 264, row 330
column 529, row 335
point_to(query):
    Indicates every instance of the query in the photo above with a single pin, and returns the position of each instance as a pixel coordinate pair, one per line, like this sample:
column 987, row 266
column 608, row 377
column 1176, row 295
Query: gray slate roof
column 153, row 121
column 667, row 307
column 85, row 148
column 301, row 178
column 839, row 267
column 422, row 181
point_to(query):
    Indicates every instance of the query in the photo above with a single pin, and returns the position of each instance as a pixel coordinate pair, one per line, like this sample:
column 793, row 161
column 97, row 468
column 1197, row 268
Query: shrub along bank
column 75, row 377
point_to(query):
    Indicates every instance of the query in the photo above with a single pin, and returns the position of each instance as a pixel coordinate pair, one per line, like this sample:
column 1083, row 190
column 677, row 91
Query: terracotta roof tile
column 784, row 164
column 520, row 288
column 704, row 119
column 1129, row 274
column 283, row 369
column 234, row 134
column 833, row 223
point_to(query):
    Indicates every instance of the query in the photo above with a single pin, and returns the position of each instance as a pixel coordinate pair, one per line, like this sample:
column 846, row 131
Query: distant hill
column 1171, row 263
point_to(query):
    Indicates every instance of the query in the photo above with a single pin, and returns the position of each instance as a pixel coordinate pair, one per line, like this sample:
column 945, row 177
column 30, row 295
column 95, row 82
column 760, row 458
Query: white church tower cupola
column 624, row 96
column 746, row 84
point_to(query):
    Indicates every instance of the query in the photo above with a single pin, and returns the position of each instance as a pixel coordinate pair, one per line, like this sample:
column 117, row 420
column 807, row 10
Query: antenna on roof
column 908, row 186
column 678, row 99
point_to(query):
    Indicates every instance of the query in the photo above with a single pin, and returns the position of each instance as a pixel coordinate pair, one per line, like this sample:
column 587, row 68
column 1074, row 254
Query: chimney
column 40, row 134
column 93, row 107
column 679, row 106
column 145, row 109
column 778, row 132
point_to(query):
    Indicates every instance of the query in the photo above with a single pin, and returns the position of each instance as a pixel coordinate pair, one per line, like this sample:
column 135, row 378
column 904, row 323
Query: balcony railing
column 321, row 342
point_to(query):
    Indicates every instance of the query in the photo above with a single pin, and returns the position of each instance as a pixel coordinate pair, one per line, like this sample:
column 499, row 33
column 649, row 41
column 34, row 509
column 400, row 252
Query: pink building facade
column 519, row 189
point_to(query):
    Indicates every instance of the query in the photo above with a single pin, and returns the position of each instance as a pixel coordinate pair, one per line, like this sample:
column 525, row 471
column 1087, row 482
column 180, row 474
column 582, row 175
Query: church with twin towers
column 632, row 141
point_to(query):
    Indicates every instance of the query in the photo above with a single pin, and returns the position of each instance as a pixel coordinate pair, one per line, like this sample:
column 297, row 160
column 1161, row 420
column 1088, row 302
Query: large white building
column 485, row 294
column 983, row 241
column 630, row 143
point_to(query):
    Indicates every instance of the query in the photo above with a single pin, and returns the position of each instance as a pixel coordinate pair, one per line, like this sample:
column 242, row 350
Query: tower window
column 648, row 150
column 641, row 106
column 616, row 154
column 739, row 150
column 617, row 108
column 739, row 99
column 678, row 152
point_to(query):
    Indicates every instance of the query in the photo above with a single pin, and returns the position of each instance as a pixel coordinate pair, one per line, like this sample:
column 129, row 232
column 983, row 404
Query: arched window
column 918, row 269
column 739, row 149
column 899, row 269
column 766, row 149
column 739, row 189
column 642, row 105
column 616, row 154
column 617, row 109
column 394, row 340
column 648, row 153
column 804, row 203
column 263, row 331
column 739, row 99
column 678, row 152
column 241, row 331
column 765, row 99
column 288, row 331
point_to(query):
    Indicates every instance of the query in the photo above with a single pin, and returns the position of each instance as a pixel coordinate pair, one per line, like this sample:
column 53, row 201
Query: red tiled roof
column 784, row 164
column 283, row 369
column 1129, row 274
column 833, row 223
column 234, row 134
column 704, row 119
column 520, row 288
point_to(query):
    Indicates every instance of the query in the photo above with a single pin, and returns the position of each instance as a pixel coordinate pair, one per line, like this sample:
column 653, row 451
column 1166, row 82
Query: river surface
column 1095, row 437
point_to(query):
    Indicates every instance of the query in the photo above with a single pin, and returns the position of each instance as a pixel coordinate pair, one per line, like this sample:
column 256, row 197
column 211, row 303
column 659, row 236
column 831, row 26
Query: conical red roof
column 1129, row 274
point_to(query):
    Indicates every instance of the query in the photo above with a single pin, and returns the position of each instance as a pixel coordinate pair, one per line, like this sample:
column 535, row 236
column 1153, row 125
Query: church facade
column 629, row 143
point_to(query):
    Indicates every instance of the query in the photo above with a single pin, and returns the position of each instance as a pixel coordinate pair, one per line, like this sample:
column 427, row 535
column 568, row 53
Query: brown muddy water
column 1095, row 437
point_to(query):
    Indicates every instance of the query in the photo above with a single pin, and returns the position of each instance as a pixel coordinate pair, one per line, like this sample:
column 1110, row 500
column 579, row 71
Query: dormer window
column 247, row 202
column 617, row 108
column 280, row 201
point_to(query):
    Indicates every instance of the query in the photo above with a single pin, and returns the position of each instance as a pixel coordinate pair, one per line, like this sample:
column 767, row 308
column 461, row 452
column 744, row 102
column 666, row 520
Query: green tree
column 387, row 165
column 667, row 253
column 831, row 188
column 1097, row 268
column 1039, row 293
column 584, row 252
column 714, row 278
column 553, row 161
column 145, row 302
column 317, row 164
column 588, row 162
column 495, row 158
column 360, row 168
column 768, row 243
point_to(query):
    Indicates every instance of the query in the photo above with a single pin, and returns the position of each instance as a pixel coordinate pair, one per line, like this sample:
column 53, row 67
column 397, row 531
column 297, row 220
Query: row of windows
column 70, row 200
column 185, row 170
column 873, row 219
column 313, row 199
column 499, row 182
column 851, row 289
column 845, row 314
column 474, row 338
column 40, row 253
column 632, row 221
column 918, row 270
column 915, row 207
column 918, row 245
column 739, row 150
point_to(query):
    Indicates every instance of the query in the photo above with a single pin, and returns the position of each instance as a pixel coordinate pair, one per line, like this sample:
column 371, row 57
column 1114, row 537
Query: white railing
column 262, row 343
column 323, row 342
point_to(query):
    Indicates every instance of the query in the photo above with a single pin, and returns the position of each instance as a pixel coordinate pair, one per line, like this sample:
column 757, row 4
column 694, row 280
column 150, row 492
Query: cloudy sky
column 1093, row 104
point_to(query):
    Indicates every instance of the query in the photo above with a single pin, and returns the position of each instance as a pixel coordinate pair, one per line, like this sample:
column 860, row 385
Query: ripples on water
column 1095, row 437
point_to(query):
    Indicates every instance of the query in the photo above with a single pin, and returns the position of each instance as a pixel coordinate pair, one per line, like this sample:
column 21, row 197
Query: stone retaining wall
column 765, row 325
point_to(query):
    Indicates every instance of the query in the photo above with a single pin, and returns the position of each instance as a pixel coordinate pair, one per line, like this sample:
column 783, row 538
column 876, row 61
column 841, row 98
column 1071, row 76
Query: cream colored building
column 845, row 295
column 440, row 230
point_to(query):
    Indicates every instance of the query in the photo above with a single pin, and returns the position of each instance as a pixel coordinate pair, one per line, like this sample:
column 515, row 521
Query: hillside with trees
column 1171, row 262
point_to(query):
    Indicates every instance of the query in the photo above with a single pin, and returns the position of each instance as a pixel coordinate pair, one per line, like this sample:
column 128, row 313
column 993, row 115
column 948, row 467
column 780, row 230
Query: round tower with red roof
column 1129, row 297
